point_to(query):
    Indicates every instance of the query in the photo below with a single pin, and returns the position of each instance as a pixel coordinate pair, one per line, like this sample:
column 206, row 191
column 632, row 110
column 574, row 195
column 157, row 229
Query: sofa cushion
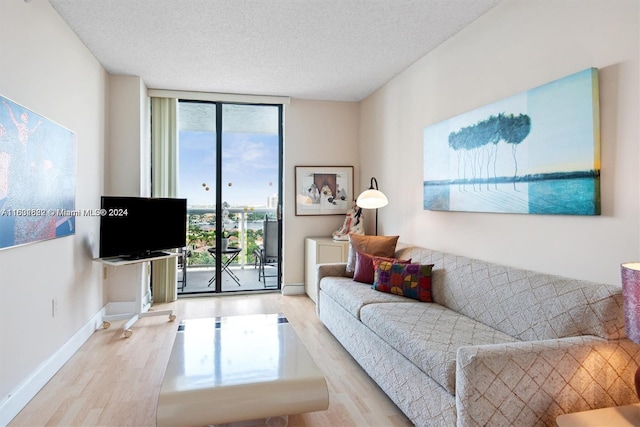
column 429, row 335
column 364, row 266
column 354, row 295
column 524, row 304
column 372, row 245
column 409, row 280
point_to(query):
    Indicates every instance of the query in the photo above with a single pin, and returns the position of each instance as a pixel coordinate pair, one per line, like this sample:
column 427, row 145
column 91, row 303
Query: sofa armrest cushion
column 532, row 382
column 333, row 269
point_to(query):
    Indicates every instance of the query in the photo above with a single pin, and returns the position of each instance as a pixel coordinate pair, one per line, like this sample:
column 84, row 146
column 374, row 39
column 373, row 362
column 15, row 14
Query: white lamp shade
column 372, row 199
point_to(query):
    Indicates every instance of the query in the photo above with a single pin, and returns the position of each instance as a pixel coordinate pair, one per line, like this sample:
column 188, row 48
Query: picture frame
column 37, row 177
column 324, row 190
column 536, row 152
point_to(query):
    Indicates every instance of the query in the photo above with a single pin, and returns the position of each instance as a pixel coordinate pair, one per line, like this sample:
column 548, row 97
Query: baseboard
column 24, row 392
column 120, row 307
column 293, row 289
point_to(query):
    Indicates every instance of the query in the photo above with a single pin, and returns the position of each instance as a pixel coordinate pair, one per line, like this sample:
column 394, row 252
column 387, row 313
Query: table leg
column 225, row 267
column 213, row 279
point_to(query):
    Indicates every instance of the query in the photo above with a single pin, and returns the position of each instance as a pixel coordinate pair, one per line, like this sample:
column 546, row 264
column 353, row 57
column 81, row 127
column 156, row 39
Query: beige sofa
column 498, row 346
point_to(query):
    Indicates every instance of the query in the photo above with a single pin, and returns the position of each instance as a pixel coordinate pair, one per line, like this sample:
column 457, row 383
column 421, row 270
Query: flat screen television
column 141, row 227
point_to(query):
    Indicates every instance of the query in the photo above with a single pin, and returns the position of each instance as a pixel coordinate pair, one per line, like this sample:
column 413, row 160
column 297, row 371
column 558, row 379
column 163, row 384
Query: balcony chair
column 182, row 265
column 268, row 254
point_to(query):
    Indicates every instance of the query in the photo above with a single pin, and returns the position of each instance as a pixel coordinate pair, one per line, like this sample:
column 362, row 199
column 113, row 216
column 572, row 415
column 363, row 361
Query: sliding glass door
column 230, row 171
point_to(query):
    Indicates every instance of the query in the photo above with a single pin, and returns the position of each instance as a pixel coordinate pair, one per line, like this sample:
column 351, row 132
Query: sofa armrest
column 531, row 383
column 332, row 269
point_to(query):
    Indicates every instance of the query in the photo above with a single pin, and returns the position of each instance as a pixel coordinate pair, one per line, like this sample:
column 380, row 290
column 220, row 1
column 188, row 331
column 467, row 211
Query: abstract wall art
column 324, row 190
column 537, row 152
column 37, row 177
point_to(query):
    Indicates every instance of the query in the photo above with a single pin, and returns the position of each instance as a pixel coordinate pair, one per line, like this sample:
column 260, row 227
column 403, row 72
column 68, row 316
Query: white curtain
column 164, row 180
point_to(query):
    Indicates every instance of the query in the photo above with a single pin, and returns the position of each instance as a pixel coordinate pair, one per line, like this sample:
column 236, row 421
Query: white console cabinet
column 320, row 250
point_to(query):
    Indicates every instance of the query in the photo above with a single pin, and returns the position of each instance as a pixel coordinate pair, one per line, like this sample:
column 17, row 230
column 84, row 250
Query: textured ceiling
column 315, row 49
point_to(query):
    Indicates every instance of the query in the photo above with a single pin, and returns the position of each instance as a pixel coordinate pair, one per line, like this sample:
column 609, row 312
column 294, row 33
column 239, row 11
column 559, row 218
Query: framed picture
column 537, row 152
column 324, row 190
column 37, row 177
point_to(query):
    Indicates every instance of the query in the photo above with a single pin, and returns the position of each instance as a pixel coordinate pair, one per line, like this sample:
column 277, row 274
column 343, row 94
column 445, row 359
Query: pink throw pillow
column 364, row 266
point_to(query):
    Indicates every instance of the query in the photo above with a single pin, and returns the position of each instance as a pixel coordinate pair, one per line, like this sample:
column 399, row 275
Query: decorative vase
column 224, row 243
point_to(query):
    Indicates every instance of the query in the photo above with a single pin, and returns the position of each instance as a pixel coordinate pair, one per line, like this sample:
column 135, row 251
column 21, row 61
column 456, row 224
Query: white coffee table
column 236, row 368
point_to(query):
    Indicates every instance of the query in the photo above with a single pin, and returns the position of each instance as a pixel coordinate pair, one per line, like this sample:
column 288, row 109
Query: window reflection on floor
column 215, row 353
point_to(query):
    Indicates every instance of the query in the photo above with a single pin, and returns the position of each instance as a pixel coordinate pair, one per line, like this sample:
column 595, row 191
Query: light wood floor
column 115, row 381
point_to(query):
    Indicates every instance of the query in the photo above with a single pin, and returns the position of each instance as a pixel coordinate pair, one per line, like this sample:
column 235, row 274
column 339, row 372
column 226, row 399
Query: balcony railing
column 243, row 225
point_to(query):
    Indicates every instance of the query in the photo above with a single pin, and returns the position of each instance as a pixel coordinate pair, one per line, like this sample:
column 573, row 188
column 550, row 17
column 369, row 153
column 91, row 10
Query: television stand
column 117, row 261
column 137, row 309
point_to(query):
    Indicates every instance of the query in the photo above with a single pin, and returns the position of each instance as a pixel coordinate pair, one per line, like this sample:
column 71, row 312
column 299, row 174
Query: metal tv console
column 140, row 307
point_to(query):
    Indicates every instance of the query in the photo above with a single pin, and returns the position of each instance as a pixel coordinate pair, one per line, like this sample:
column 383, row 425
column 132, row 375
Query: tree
column 513, row 130
column 477, row 145
column 490, row 131
column 462, row 142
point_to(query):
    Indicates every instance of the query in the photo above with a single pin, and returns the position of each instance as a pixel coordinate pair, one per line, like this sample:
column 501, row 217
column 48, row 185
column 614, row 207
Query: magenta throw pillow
column 364, row 267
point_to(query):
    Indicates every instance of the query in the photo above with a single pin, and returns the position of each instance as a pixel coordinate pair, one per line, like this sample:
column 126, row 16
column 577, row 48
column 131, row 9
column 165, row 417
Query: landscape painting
column 37, row 177
column 537, row 152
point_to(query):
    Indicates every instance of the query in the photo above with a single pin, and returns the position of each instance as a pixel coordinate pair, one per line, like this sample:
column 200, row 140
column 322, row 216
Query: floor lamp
column 372, row 199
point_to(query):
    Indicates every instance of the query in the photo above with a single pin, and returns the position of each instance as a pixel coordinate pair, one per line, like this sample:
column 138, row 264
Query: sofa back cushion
column 523, row 304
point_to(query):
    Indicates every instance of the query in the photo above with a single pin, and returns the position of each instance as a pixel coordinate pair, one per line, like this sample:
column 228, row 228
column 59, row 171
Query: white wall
column 127, row 172
column 316, row 133
column 44, row 67
column 127, row 154
column 516, row 46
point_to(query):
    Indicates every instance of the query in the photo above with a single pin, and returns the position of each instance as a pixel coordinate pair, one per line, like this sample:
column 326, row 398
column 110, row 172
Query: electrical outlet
column 54, row 307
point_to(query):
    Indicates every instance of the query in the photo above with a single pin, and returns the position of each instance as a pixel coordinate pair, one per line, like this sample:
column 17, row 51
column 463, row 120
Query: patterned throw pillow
column 408, row 280
column 364, row 266
column 373, row 245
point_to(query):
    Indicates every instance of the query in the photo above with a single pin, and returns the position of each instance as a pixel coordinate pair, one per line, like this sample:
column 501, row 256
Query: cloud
column 246, row 152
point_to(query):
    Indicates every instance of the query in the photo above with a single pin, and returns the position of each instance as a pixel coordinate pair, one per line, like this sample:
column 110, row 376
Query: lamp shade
column 372, row 199
column 631, row 299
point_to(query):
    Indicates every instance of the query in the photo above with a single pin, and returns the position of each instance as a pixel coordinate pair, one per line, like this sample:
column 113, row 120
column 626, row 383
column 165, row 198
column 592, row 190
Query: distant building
column 272, row 201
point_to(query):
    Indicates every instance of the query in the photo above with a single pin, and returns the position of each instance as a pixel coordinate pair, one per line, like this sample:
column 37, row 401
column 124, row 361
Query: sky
column 250, row 154
column 249, row 168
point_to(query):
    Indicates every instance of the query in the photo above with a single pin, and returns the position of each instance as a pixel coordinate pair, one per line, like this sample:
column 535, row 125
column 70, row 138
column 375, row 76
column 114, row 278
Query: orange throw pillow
column 373, row 245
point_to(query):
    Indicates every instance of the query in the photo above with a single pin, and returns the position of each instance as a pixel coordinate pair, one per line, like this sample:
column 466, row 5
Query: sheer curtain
column 164, row 180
